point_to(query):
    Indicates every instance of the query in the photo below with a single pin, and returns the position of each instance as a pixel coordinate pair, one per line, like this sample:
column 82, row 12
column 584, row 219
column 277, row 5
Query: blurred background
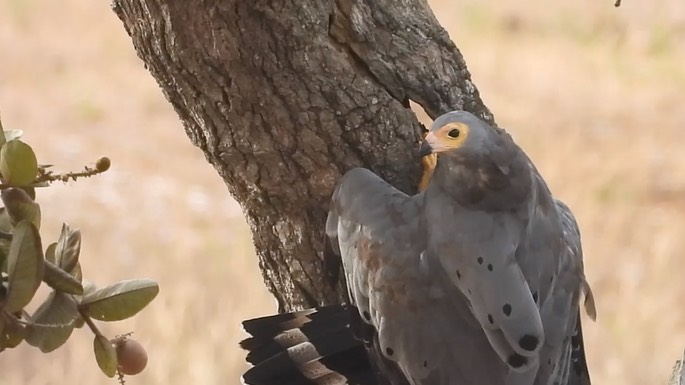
column 594, row 94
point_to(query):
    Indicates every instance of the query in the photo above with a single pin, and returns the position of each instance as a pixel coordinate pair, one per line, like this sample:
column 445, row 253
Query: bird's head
column 456, row 132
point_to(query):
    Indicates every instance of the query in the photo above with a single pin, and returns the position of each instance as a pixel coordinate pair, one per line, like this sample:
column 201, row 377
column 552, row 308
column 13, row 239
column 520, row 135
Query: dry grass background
column 595, row 95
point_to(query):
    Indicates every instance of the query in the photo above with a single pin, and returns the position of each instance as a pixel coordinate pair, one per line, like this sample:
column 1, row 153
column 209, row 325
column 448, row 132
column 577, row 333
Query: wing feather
column 421, row 319
column 562, row 356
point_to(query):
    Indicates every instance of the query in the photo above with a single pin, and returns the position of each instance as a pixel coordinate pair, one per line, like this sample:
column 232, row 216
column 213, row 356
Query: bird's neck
column 483, row 182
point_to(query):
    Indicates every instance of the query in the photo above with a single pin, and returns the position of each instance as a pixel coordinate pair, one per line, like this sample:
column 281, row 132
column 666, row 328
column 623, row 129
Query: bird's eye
column 454, row 133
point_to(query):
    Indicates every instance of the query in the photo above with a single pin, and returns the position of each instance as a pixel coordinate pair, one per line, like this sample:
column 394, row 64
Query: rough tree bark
column 284, row 96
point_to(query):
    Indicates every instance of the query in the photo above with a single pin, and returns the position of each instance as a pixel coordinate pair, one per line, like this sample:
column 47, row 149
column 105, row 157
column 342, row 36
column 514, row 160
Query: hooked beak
column 426, row 148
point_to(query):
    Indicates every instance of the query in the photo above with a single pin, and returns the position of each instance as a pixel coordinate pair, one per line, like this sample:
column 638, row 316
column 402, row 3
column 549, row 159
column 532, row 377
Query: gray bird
column 475, row 280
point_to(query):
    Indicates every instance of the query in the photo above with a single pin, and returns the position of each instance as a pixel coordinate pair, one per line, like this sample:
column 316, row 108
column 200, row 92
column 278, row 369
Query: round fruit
column 131, row 356
column 103, row 164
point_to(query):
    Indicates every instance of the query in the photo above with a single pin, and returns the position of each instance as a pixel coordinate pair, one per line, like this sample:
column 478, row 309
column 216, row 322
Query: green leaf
column 5, row 227
column 76, row 272
column 60, row 280
column 31, row 191
column 79, row 322
column 52, row 323
column 20, row 206
column 3, row 140
column 4, row 249
column 88, row 288
column 13, row 332
column 50, row 252
column 18, row 163
column 105, row 355
column 120, row 300
column 5, row 221
column 24, row 266
column 68, row 248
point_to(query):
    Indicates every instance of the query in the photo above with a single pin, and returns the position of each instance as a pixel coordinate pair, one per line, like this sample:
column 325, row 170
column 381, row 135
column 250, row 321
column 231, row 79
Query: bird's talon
column 429, row 162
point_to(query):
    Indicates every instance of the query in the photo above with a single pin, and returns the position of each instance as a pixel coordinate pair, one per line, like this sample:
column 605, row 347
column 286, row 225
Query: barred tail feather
column 310, row 347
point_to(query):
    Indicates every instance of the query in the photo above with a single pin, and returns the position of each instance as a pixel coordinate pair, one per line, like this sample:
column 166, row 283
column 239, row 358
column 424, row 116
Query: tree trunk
column 284, row 96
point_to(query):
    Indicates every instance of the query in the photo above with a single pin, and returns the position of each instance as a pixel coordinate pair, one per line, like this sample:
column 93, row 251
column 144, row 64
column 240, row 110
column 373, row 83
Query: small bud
column 103, row 164
column 131, row 355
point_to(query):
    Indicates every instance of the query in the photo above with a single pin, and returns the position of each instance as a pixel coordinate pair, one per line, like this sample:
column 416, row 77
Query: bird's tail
column 310, row 347
column 579, row 373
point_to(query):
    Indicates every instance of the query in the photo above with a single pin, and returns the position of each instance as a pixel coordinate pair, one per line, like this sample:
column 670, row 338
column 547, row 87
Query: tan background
column 594, row 94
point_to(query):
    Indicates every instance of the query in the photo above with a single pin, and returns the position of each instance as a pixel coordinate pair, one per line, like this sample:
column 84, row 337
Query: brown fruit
column 131, row 355
column 103, row 164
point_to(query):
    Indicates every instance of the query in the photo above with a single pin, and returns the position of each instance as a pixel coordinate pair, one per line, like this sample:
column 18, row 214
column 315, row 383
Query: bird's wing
column 477, row 245
column 418, row 318
column 373, row 229
column 562, row 357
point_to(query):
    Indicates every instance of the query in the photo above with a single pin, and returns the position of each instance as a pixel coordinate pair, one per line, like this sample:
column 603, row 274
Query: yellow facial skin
column 443, row 139
column 448, row 137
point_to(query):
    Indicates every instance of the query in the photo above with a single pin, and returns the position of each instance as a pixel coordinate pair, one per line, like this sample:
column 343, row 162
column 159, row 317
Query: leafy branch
column 25, row 265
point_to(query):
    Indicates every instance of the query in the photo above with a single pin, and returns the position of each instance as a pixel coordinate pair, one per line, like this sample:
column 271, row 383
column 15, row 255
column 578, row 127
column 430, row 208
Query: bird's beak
column 426, row 148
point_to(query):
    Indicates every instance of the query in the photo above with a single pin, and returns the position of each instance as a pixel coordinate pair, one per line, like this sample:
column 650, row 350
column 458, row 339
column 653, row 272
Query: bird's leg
column 429, row 161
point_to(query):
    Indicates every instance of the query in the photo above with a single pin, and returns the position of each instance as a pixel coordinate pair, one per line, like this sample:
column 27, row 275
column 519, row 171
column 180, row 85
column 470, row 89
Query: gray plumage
column 477, row 279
